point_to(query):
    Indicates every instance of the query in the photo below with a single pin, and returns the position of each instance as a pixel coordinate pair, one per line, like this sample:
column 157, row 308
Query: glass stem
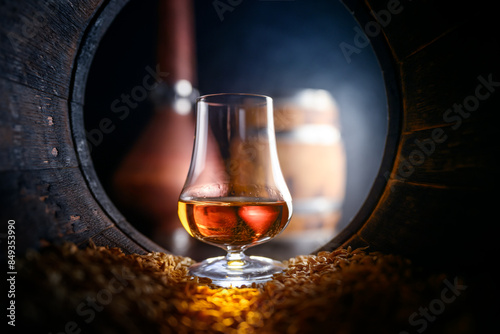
column 235, row 258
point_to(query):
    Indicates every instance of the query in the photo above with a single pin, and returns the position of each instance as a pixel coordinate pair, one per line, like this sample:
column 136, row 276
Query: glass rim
column 204, row 98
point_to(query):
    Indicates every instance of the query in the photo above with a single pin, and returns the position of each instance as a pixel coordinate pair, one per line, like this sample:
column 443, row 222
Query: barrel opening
column 330, row 109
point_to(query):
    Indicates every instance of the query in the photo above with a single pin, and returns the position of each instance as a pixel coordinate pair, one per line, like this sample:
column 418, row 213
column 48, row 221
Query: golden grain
column 344, row 291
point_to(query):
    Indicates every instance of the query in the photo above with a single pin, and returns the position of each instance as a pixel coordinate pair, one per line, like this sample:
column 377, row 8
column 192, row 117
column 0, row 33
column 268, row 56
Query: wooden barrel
column 48, row 185
column 313, row 162
column 430, row 201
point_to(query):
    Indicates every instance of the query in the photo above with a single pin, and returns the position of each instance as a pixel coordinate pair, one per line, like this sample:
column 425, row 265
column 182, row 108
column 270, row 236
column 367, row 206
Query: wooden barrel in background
column 312, row 159
column 432, row 198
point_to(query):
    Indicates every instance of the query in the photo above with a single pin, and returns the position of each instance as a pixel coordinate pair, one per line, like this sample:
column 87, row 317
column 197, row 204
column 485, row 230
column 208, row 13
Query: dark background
column 266, row 47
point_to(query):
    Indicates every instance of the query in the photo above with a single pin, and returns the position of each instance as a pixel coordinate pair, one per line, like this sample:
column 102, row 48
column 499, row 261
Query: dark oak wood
column 94, row 33
column 437, row 204
column 413, row 25
column 50, row 205
column 460, row 158
column 36, row 131
column 446, row 72
column 40, row 39
column 429, row 223
column 48, row 185
column 115, row 237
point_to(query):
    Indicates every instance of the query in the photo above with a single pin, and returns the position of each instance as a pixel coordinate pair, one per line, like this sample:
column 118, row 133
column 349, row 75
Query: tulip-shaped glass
column 235, row 196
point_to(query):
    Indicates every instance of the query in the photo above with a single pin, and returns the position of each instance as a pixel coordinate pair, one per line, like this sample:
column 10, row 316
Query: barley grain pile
column 101, row 290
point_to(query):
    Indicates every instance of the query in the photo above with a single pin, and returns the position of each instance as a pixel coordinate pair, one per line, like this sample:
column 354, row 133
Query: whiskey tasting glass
column 235, row 196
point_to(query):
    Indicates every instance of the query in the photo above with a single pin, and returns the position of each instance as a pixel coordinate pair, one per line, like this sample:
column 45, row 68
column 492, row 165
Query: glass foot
column 235, row 271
